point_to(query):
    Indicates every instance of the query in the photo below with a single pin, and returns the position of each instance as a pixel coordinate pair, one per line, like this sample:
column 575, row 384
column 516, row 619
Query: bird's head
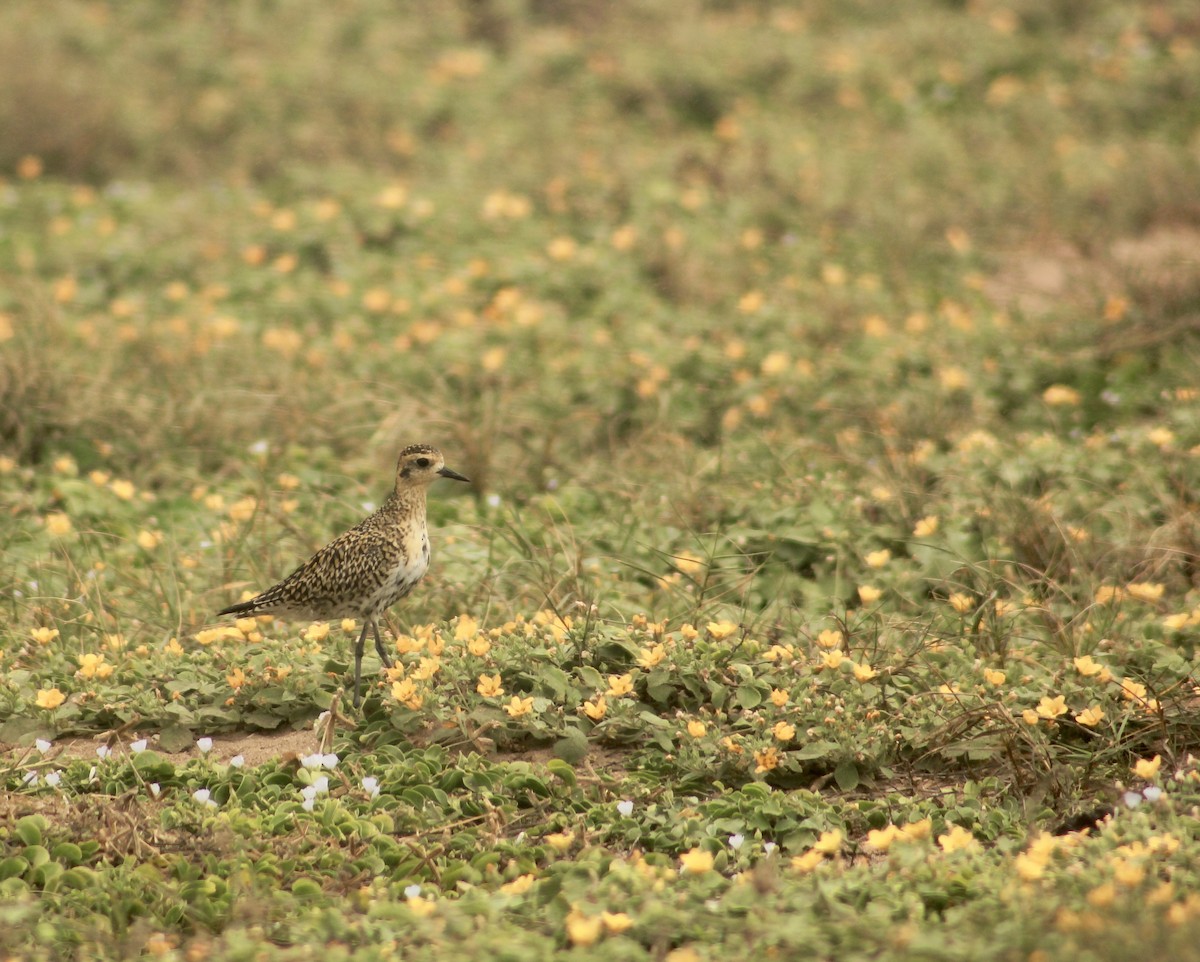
column 419, row 464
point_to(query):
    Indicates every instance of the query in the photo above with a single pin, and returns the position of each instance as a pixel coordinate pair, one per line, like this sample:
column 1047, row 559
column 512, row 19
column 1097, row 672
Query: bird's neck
column 408, row 501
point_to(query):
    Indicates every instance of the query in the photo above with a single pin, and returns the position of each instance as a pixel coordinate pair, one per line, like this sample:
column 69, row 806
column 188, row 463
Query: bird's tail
column 242, row 608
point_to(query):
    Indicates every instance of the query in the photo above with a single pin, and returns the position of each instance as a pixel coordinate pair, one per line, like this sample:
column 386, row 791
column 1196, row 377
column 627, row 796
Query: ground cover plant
column 826, row 375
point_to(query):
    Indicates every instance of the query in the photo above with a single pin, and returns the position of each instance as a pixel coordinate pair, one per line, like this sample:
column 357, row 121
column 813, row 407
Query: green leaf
column 749, row 696
column 176, row 738
column 820, row 749
column 30, row 828
column 846, row 776
column 569, row 750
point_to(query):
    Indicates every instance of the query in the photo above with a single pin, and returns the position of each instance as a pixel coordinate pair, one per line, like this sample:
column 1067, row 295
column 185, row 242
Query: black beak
column 453, row 475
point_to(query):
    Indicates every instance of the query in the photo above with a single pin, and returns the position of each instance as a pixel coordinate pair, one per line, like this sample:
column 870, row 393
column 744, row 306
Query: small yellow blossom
column 877, row 559
column 779, row 697
column 961, row 603
column 994, row 676
column 697, row 729
column 421, row 907
column 869, row 594
column 1102, row 896
column 1107, row 594
column 619, row 686
column 560, row 841
column 405, row 692
column 958, row 839
column 783, row 731
column 43, row 636
column 808, row 861
column 466, row 629
column 1127, row 873
column 688, row 632
column 1090, row 717
column 720, row 630
column 123, row 489
column 829, row 843
column 58, row 524
column 316, row 632
column 1179, row 621
column 479, row 646
column 1052, row 707
column 50, row 698
column 1028, row 868
column 832, row 659
column 1087, row 666
column 1148, row 591
column 173, row 647
column 652, row 656
column 582, row 929
column 696, row 862
column 829, row 638
column 616, row 922
column 149, row 540
column 1059, row 395
column 1147, row 768
column 1132, row 690
column 766, row 759
column 1029, row 716
column 207, row 636
column 489, row 686
column 93, row 666
column 519, row 706
column 926, row 527
column 916, row 831
column 236, row 678
column 518, row 886
column 596, row 709
column 863, row 672
column 881, row 839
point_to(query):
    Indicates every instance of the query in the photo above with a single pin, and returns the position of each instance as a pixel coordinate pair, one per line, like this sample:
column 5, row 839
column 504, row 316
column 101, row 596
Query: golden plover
column 366, row 570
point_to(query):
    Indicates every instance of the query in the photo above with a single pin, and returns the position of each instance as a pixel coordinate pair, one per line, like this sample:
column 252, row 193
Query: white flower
column 368, row 506
column 103, row 751
column 1132, row 799
column 625, row 807
column 237, row 761
column 769, row 847
column 1152, row 793
column 314, row 761
column 30, row 778
column 53, row 778
column 154, row 789
column 259, row 448
column 493, row 500
column 412, row 891
column 330, row 760
column 204, row 744
column 138, row 746
column 735, row 841
column 370, row 785
column 202, row 795
column 321, row 784
column 43, row 746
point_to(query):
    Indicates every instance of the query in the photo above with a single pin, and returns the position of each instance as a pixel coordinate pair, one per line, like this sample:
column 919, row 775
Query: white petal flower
column 138, row 746
column 625, row 807
column 204, row 744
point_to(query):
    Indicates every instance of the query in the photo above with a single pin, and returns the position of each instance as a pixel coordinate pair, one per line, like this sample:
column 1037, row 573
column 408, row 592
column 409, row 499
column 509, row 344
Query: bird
column 367, row 569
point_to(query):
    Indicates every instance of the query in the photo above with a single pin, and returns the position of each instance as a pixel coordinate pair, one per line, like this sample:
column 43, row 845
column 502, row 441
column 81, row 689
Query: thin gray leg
column 358, row 655
column 383, row 655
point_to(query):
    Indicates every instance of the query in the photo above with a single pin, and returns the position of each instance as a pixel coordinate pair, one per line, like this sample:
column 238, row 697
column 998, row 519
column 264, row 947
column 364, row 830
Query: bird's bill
column 453, row 475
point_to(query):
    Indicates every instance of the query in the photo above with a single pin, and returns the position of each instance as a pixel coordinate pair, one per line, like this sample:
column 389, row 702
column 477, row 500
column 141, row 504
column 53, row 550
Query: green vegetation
column 826, row 373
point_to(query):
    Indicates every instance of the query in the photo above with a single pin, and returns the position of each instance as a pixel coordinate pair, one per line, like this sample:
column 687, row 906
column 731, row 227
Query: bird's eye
column 422, row 462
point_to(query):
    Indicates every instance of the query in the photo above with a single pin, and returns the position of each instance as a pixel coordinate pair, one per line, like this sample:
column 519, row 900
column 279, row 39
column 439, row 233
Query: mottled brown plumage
column 366, row 570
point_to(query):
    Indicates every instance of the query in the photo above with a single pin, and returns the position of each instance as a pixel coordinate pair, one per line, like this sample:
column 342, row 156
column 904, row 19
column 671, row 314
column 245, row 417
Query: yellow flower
column 829, row 843
column 422, row 908
column 649, row 657
column 779, row 697
column 93, row 666
column 881, row 839
column 1059, row 395
column 688, row 632
column 829, row 638
column 616, row 922
column 149, row 540
column 560, row 841
column 479, row 646
column 1177, row 622
column 697, row 729
column 832, row 659
column 957, row 839
column 994, row 677
column 696, row 862
column 1133, row 690
column 619, row 685
column 688, row 563
column 123, row 489
column 582, row 929
column 43, row 636
column 236, row 678
column 720, row 630
column 519, row 706
column 405, row 692
column 1087, row 666
column 1147, row 768
column 1090, row 716
column 1108, row 593
column 926, row 527
column 862, row 672
column 766, row 759
column 1052, row 707
column 961, row 603
column 1029, row 716
column 50, row 698
column 877, row 559
column 869, row 594
column 58, row 524
column 349, row 625
column 518, row 886
column 466, row 629
column 808, row 861
column 173, row 647
column 783, row 732
column 317, row 631
column 489, row 686
column 596, row 709
column 1147, row 591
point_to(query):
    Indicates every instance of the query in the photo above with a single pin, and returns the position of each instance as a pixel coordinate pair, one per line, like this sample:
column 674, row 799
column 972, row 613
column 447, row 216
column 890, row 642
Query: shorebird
column 364, row 571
